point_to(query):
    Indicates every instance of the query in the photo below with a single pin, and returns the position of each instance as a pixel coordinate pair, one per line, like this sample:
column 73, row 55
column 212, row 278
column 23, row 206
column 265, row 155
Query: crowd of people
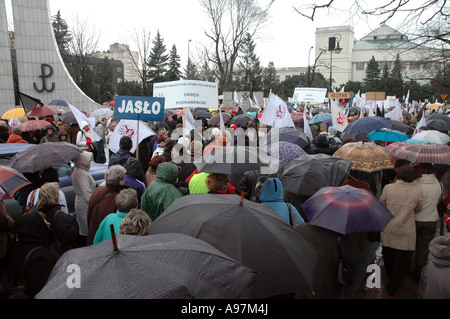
column 139, row 186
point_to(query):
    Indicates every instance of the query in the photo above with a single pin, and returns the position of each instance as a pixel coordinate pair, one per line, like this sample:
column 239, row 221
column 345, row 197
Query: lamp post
column 189, row 60
column 309, row 67
column 336, row 48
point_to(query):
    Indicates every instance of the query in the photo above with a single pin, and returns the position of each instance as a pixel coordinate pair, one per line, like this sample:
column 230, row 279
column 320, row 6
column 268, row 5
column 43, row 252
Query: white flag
column 306, row 128
column 276, row 113
column 80, row 117
column 256, row 101
column 339, row 118
column 236, row 97
column 396, row 114
column 253, row 104
column 371, row 110
column 422, row 122
column 189, row 121
column 407, row 98
column 222, row 123
column 129, row 128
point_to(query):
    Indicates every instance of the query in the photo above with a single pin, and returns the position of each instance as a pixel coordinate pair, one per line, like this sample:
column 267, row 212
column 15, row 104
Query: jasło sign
column 141, row 108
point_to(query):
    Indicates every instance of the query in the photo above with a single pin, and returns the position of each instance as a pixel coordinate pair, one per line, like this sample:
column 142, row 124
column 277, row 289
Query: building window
column 414, row 65
column 119, row 80
column 375, row 37
column 359, row 65
column 119, row 69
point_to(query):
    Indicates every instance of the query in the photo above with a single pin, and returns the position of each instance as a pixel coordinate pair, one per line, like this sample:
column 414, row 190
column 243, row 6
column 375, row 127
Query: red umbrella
column 33, row 125
column 11, row 181
column 42, row 111
column 296, row 115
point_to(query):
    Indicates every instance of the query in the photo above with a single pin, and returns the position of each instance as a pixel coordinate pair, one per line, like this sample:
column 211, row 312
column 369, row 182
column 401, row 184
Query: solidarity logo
column 341, row 118
column 125, row 130
column 280, row 112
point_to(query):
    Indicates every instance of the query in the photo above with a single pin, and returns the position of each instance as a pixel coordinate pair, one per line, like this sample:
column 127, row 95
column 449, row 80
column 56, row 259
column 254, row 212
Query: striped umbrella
column 365, row 156
column 11, row 181
column 346, row 209
column 33, row 125
column 424, row 153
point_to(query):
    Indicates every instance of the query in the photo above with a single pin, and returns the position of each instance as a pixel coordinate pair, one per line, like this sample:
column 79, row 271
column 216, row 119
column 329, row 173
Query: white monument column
column 7, row 100
column 42, row 73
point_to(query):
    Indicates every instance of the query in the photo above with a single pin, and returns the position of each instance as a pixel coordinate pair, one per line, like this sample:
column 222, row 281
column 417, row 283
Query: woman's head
column 115, row 175
column 135, row 223
column 49, row 194
column 217, row 182
column 126, row 200
column 407, row 173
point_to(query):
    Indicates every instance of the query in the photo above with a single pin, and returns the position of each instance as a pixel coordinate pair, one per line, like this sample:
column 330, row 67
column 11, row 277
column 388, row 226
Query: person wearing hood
column 438, row 269
column 272, row 195
column 161, row 192
column 85, row 139
column 16, row 136
column 123, row 154
column 83, row 186
column 50, row 136
column 135, row 176
column 323, row 144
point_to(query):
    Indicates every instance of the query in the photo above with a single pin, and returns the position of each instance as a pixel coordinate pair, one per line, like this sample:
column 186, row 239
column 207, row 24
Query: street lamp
column 336, row 48
column 309, row 66
column 189, row 60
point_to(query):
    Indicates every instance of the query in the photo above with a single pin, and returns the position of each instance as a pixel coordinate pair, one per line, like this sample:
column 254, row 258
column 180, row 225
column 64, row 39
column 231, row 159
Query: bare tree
column 141, row 38
column 227, row 36
column 82, row 48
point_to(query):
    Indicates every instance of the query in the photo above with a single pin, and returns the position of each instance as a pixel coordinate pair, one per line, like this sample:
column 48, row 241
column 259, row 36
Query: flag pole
column 137, row 137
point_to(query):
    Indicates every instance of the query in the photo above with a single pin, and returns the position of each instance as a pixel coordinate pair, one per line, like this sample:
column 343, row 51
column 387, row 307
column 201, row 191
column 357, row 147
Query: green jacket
column 161, row 192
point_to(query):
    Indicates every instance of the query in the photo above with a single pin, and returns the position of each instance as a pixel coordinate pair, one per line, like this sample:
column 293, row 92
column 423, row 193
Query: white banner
column 80, row 117
column 187, row 93
column 309, row 95
column 129, row 128
column 340, row 121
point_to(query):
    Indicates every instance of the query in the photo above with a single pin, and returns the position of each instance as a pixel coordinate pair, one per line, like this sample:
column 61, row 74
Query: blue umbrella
column 59, row 103
column 321, row 117
column 387, row 135
column 367, row 124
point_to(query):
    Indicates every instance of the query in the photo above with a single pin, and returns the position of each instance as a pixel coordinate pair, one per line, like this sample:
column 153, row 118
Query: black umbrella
column 63, row 103
column 309, row 173
column 235, row 160
column 367, row 124
column 165, row 266
column 202, row 114
column 250, row 233
column 402, row 127
column 439, row 122
column 68, row 117
column 285, row 134
column 215, row 120
column 241, row 120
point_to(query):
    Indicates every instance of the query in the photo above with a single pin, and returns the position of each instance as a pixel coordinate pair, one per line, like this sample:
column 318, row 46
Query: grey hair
column 115, row 174
column 126, row 200
column 49, row 194
column 135, row 223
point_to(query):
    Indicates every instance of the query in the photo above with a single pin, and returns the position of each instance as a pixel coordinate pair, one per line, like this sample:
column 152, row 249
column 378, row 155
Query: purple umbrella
column 284, row 151
column 346, row 210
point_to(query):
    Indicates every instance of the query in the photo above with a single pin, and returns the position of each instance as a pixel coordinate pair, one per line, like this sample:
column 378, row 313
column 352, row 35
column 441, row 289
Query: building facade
column 130, row 59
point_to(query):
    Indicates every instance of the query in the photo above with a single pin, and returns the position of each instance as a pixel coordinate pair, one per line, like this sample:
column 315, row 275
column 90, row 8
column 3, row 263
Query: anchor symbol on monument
column 43, row 76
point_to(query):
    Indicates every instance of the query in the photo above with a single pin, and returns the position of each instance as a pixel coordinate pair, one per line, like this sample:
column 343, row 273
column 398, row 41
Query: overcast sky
column 286, row 39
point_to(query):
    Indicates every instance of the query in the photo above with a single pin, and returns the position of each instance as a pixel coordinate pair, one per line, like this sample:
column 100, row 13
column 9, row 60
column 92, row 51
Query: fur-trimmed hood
column 440, row 251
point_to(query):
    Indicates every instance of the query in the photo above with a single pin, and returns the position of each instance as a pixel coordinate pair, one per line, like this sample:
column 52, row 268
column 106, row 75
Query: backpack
column 256, row 189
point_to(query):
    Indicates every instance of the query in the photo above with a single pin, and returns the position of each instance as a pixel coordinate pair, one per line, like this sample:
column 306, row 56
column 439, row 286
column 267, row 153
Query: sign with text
column 141, row 108
column 340, row 95
column 187, row 93
column 375, row 96
column 309, row 95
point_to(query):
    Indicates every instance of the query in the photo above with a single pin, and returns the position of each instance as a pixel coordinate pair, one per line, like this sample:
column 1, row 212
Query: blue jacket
column 272, row 196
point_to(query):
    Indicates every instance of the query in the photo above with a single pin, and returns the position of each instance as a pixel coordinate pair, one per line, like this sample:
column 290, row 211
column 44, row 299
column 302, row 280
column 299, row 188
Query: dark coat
column 322, row 144
column 325, row 273
column 32, row 231
column 99, row 207
column 120, row 157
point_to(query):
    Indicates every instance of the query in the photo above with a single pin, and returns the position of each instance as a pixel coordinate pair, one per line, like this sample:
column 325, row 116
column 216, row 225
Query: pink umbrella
column 42, row 111
column 33, row 125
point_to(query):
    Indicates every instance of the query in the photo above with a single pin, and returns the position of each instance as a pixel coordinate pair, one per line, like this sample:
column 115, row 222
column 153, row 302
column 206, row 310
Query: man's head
column 126, row 143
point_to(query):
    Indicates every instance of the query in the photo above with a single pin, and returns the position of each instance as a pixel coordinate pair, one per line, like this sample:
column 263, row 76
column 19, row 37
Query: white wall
column 6, row 74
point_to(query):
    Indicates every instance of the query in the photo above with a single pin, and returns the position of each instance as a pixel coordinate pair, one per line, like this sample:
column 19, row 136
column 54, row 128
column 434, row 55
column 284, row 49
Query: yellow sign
column 444, row 96
column 339, row 95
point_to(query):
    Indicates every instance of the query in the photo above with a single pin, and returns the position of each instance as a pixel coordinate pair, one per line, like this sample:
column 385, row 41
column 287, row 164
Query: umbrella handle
column 113, row 237
column 242, row 198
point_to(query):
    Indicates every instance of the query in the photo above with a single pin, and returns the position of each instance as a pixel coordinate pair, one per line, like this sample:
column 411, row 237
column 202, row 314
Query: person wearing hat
column 63, row 136
column 85, row 139
column 50, row 136
column 16, row 136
